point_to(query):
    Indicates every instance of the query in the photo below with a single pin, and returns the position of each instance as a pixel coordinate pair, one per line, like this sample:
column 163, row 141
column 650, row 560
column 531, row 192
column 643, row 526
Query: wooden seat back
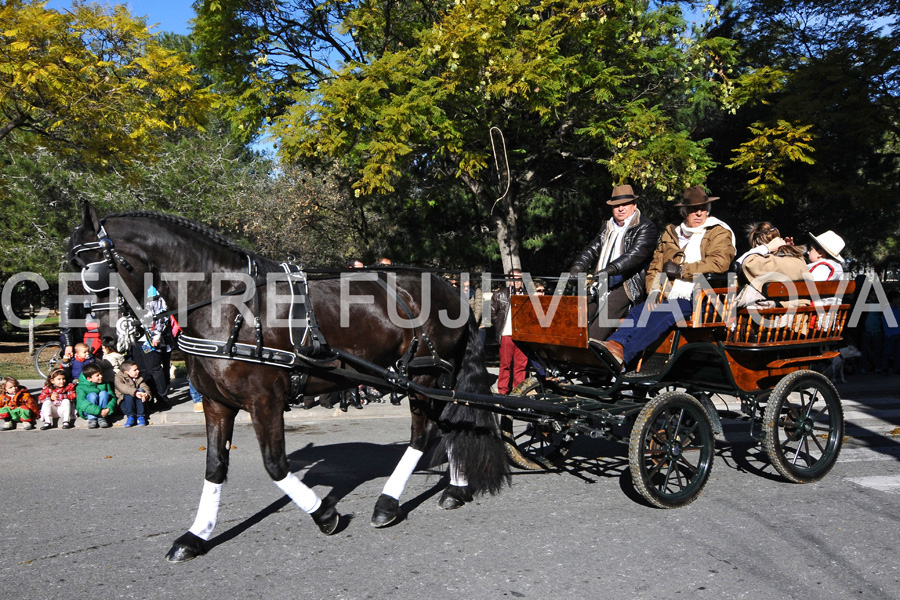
column 822, row 320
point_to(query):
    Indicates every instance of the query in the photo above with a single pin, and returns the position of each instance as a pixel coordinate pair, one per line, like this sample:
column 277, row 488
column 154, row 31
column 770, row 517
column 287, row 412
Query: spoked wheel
column 803, row 426
column 671, row 450
column 47, row 358
column 533, row 446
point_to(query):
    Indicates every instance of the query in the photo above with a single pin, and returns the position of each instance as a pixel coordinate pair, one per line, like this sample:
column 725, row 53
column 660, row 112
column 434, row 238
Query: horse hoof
column 387, row 510
column 454, row 497
column 185, row 548
column 326, row 517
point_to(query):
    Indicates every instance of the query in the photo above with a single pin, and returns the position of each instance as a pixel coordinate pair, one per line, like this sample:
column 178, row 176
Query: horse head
column 121, row 256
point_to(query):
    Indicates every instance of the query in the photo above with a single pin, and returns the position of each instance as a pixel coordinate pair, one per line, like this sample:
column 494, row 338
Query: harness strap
column 232, row 337
column 299, row 287
column 404, row 361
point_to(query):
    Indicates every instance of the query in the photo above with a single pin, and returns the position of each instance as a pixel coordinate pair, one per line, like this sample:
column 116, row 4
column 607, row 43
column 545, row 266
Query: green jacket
column 85, row 387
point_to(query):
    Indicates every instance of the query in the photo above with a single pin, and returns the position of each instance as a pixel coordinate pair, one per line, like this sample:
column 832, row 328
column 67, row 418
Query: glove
column 672, row 270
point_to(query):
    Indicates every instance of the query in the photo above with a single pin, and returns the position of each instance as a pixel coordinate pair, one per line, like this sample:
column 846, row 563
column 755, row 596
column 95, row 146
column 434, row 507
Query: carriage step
column 649, row 368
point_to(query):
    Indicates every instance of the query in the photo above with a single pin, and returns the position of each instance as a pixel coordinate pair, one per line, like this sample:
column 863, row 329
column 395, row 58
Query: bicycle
column 48, row 358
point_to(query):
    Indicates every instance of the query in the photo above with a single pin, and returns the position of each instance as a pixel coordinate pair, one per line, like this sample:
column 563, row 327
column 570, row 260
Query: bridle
column 96, row 277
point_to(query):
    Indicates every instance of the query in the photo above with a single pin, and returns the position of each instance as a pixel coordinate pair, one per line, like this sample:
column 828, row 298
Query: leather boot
column 615, row 351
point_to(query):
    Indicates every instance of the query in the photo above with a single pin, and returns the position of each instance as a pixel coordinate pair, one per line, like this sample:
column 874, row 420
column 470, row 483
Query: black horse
column 260, row 360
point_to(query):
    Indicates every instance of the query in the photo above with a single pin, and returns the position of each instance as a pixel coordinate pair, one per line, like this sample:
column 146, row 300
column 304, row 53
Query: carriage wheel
column 47, row 358
column 671, row 450
column 803, row 426
column 532, row 446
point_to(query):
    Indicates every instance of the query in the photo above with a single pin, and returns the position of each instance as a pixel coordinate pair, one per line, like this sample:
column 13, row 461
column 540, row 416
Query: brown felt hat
column 622, row 194
column 695, row 196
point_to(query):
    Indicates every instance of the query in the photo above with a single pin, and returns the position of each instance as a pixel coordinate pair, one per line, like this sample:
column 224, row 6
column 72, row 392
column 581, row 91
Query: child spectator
column 16, row 404
column 132, row 392
column 94, row 400
column 82, row 358
column 111, row 363
column 57, row 399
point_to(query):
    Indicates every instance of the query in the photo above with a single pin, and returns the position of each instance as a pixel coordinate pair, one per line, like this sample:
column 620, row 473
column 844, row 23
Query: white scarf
column 615, row 237
column 689, row 239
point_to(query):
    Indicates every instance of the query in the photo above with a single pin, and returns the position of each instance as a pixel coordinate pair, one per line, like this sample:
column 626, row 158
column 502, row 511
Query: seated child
column 94, row 400
column 82, row 358
column 57, row 401
column 132, row 392
column 16, row 404
column 111, row 363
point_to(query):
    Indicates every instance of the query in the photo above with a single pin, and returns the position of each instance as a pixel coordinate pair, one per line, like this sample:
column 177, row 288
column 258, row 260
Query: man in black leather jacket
column 622, row 250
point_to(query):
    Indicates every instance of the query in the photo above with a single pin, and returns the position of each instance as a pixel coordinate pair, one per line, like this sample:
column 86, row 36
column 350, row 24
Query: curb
column 182, row 411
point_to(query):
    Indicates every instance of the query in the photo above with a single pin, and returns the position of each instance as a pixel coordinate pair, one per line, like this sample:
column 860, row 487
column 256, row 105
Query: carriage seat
column 821, row 319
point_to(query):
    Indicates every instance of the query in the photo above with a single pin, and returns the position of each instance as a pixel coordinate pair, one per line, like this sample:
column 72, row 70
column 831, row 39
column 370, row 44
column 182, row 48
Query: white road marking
column 882, row 483
column 869, row 454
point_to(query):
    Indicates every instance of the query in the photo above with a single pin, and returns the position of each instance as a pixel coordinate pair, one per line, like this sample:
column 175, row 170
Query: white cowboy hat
column 831, row 243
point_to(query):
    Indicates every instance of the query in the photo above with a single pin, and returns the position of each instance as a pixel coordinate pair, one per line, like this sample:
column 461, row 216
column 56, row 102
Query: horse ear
column 90, row 219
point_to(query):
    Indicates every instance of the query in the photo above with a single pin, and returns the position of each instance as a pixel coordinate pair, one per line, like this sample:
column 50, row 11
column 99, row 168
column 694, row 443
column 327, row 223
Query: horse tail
column 472, row 435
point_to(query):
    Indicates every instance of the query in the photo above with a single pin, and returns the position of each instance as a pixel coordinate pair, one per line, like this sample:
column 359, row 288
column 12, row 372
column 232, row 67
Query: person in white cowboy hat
column 622, row 251
column 824, row 256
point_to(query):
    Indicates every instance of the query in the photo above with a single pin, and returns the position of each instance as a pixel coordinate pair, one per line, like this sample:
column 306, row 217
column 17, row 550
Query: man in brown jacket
column 700, row 244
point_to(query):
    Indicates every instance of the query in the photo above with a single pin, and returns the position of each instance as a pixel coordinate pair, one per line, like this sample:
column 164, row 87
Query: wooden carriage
column 770, row 358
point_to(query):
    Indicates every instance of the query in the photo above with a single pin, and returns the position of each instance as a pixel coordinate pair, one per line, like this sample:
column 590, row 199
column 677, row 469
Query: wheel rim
column 806, row 429
column 675, row 452
column 47, row 359
column 533, row 445
column 538, row 443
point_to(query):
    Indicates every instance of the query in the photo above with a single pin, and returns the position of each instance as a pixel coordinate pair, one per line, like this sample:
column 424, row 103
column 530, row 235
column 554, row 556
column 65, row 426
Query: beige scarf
column 694, row 235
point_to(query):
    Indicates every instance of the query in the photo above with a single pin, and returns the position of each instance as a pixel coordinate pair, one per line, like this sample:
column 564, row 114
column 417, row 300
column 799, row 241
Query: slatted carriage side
column 762, row 345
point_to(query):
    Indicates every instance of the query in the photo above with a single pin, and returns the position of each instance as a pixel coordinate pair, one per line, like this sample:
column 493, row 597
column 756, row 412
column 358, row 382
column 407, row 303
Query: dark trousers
column 513, row 364
column 154, row 366
column 132, row 406
column 617, row 305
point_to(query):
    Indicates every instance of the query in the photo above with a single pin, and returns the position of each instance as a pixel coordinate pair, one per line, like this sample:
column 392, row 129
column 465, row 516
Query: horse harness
column 310, row 349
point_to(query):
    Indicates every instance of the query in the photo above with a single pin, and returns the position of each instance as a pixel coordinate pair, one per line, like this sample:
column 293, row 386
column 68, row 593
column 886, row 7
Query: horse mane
column 265, row 265
column 205, row 230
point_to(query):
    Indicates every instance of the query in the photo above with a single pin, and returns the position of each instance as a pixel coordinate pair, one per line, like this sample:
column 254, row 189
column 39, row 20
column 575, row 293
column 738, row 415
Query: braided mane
column 209, row 232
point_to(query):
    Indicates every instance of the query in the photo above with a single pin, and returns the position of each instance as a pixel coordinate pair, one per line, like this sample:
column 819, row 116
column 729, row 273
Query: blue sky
column 167, row 15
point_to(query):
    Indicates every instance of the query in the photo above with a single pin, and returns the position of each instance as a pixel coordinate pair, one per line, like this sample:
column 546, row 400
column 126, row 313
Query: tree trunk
column 506, row 226
column 503, row 215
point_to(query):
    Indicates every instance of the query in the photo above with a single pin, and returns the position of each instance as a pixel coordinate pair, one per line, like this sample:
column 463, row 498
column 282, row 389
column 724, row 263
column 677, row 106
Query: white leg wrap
column 402, row 472
column 297, row 491
column 208, row 511
column 457, row 477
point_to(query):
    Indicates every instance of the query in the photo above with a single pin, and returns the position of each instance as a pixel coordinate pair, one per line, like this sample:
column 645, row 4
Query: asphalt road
column 91, row 513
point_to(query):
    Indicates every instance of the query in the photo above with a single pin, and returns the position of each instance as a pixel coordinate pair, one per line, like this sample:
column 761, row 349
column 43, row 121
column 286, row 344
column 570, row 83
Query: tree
column 258, row 52
column 833, row 74
column 586, row 95
column 91, row 82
